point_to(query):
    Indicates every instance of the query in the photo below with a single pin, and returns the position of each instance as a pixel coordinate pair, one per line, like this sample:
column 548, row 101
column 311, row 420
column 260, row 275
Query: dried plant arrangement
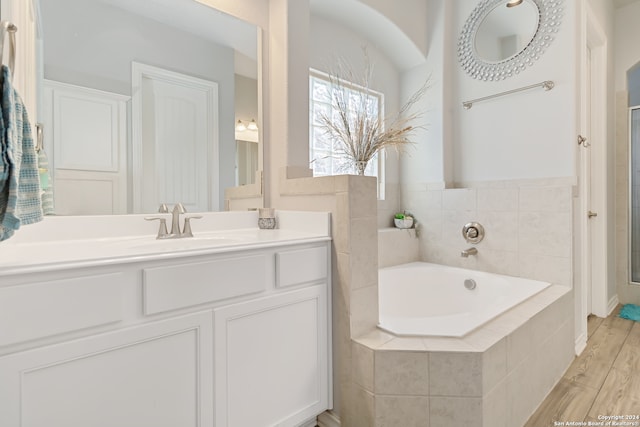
column 360, row 134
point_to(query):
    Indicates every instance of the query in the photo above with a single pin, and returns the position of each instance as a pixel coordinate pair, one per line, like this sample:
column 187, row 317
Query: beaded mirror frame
column 549, row 20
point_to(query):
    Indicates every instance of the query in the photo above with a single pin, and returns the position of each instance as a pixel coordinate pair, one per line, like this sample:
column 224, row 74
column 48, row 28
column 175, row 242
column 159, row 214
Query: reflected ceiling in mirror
column 498, row 42
column 505, row 31
column 93, row 49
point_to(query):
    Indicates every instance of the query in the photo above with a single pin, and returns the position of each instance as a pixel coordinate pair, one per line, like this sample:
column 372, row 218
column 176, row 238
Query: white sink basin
column 185, row 243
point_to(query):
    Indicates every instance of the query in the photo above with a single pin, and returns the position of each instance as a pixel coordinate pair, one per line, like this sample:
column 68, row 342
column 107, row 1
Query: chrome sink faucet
column 175, row 232
column 175, row 219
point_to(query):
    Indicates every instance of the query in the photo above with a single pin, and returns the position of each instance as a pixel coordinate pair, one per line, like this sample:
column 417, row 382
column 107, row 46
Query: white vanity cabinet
column 271, row 361
column 156, row 374
column 237, row 339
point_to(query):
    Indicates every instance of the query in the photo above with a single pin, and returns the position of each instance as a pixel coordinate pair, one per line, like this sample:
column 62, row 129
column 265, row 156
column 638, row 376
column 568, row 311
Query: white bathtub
column 431, row 300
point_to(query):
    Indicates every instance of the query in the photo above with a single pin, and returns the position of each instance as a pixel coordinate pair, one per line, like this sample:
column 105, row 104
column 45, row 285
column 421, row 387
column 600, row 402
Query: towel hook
column 8, row 27
column 39, row 137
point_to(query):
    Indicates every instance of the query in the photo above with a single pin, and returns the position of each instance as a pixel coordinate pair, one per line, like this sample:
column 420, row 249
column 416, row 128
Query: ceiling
column 208, row 23
column 198, row 19
column 374, row 26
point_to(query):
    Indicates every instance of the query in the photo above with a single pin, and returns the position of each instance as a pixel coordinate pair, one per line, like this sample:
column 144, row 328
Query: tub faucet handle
column 472, row 233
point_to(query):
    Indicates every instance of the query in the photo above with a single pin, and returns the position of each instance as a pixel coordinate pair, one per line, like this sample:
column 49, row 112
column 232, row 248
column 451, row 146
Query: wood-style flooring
column 603, row 381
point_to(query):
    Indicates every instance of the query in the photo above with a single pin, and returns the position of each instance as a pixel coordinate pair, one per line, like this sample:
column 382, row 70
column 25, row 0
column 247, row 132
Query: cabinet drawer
column 38, row 310
column 179, row 286
column 300, row 266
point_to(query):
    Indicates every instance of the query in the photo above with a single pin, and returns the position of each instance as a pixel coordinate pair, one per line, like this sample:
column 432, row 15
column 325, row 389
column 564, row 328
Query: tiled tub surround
column 528, row 226
column 498, row 374
column 397, row 246
column 495, row 376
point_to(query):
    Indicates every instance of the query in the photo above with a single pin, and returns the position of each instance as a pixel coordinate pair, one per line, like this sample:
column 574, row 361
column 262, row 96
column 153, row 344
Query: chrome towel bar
column 546, row 85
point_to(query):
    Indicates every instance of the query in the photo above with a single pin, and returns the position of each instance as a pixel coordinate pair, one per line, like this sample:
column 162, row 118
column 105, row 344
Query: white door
column 89, row 178
column 595, row 167
column 586, row 153
column 175, row 140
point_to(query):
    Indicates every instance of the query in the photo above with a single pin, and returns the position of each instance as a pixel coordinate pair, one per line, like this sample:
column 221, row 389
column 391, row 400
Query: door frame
column 141, row 71
column 593, row 257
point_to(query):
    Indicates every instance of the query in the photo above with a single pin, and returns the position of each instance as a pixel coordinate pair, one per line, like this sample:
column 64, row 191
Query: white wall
column 521, row 136
column 409, row 17
column 525, row 135
column 627, row 48
column 428, row 161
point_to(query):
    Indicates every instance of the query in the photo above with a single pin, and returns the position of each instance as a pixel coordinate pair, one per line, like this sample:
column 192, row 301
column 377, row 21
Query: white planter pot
column 403, row 223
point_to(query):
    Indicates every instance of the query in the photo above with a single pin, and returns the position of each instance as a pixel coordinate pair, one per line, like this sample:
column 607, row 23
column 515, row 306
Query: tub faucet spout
column 467, row 252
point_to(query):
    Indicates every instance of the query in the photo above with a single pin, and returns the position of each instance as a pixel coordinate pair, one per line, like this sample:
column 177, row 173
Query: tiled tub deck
column 496, row 376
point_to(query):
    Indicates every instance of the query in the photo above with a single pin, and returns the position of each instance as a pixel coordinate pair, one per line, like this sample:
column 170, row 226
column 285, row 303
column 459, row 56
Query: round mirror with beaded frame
column 549, row 19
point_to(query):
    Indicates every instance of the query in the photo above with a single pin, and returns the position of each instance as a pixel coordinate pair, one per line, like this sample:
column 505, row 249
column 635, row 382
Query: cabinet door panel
column 150, row 375
column 271, row 356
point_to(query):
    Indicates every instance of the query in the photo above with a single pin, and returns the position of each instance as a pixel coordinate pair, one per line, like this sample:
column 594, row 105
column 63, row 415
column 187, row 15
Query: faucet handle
column 162, row 230
column 186, row 231
column 163, row 208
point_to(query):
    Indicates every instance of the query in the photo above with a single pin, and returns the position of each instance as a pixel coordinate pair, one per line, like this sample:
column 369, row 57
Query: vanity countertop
column 53, row 249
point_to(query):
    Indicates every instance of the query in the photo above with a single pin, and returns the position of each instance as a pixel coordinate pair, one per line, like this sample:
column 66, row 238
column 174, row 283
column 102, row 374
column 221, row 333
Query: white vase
column 361, row 165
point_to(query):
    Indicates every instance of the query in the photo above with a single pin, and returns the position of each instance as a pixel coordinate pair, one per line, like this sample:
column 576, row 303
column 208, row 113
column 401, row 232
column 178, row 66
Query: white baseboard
column 328, row 419
column 580, row 343
column 613, row 303
column 310, row 423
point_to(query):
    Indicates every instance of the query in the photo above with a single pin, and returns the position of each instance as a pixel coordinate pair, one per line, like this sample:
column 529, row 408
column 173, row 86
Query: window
column 324, row 154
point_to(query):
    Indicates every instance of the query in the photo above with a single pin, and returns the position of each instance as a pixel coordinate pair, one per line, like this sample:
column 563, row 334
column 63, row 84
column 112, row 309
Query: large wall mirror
column 147, row 102
column 503, row 37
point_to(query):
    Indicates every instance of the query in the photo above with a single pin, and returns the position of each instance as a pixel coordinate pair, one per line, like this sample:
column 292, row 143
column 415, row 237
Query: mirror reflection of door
column 88, row 129
column 94, row 48
column 175, row 140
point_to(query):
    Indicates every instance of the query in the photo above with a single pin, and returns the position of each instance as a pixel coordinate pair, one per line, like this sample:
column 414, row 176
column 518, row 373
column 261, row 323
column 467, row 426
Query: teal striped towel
column 20, row 200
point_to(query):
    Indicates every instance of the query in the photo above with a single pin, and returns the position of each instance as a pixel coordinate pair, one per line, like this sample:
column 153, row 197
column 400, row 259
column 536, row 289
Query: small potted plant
column 403, row 220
